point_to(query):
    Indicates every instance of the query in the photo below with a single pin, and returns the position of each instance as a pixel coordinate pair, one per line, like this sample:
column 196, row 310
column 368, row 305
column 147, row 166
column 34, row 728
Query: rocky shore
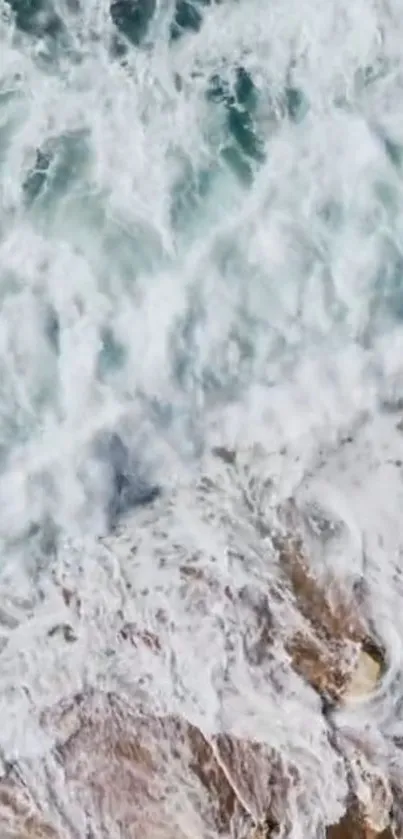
column 227, row 692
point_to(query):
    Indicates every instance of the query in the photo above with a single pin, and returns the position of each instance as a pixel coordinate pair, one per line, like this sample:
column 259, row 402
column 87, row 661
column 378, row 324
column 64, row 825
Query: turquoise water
column 194, row 196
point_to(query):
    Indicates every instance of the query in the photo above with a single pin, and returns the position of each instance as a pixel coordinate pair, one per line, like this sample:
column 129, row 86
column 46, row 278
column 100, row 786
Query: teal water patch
column 35, row 182
column 52, row 329
column 58, row 165
column 296, row 104
column 240, row 101
column 189, row 192
column 393, row 150
column 12, row 111
column 233, row 157
column 201, row 200
column 244, row 133
column 112, row 354
column 132, row 18
column 188, row 17
column 36, row 17
column 389, row 286
column 217, row 373
column 331, row 213
column 127, row 481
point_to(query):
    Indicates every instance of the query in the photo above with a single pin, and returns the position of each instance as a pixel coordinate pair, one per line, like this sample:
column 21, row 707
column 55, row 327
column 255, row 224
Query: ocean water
column 201, row 245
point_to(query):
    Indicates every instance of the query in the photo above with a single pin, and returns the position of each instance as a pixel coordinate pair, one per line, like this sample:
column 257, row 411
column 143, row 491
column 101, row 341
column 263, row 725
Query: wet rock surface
column 131, row 768
column 353, row 826
column 163, row 777
column 19, row 814
column 121, row 758
column 335, row 653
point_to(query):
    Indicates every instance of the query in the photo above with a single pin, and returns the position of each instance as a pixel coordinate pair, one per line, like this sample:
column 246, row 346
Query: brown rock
column 353, row 826
column 331, row 613
column 161, row 778
column 155, row 777
column 322, row 665
column 364, row 678
column 335, row 654
column 19, row 816
column 258, row 775
column 264, row 830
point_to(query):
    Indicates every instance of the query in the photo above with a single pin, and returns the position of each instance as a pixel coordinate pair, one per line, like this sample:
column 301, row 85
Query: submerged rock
column 126, row 485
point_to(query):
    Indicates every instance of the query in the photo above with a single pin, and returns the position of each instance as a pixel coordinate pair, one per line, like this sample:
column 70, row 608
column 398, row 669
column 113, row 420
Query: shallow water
column 200, row 244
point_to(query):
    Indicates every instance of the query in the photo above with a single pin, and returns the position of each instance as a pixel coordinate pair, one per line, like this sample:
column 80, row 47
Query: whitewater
column 201, row 318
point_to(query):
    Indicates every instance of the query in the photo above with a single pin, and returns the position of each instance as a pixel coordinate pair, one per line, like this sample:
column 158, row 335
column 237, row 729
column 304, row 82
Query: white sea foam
column 147, row 288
